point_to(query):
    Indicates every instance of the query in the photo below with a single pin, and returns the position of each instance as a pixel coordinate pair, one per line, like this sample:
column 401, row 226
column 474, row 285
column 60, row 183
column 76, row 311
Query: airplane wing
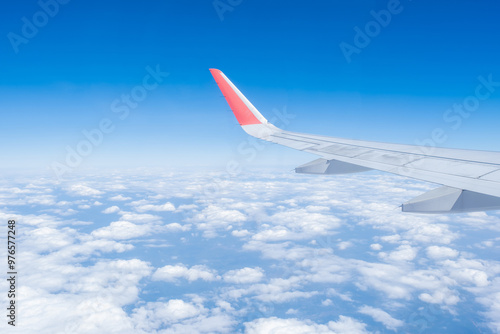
column 470, row 179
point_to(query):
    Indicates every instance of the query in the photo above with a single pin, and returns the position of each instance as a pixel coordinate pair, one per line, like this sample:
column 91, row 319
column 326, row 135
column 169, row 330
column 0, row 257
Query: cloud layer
column 269, row 253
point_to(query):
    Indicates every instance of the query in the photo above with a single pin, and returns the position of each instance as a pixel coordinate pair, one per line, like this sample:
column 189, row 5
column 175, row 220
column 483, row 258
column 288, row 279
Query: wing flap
column 323, row 166
column 448, row 200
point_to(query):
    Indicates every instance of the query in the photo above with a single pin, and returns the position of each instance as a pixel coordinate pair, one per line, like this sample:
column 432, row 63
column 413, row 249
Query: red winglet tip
column 242, row 112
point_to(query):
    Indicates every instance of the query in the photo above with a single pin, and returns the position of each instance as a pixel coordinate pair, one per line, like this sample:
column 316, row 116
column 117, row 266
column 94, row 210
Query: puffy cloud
column 298, row 224
column 241, row 233
column 347, row 325
column 470, row 271
column 438, row 253
column 111, row 209
column 327, row 302
column 49, row 239
column 244, row 276
column 122, row 230
column 88, row 299
column 176, row 227
column 278, row 290
column 214, row 218
column 393, row 239
column 402, row 253
column 490, row 300
column 344, row 245
column 275, row 325
column 120, row 198
column 150, row 207
column 443, row 296
column 187, row 207
column 344, row 297
column 431, row 233
column 384, row 278
column 154, row 315
column 381, row 316
column 171, row 273
column 139, row 217
column 83, row 190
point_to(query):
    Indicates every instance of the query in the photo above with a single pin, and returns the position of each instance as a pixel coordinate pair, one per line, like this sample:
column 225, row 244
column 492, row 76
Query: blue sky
column 396, row 89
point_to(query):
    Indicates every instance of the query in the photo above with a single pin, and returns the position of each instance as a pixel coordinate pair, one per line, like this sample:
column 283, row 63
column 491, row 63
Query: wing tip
column 245, row 112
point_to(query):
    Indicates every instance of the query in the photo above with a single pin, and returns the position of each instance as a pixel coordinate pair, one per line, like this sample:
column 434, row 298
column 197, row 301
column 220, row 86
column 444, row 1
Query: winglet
column 245, row 112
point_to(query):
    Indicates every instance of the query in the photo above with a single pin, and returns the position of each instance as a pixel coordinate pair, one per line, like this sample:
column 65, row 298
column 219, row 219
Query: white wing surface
column 470, row 179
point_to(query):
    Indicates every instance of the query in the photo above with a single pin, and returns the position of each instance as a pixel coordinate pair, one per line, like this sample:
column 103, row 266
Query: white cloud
column 395, row 238
column 443, row 296
column 274, row 325
column 344, row 297
column 244, row 275
column 154, row 315
column 176, row 227
column 83, row 190
column 284, row 296
column 278, row 290
column 187, row 207
column 139, row 217
column 111, row 209
column 376, row 247
column 402, row 253
column 385, row 278
column 347, row 325
column 438, row 253
column 214, row 218
column 327, row 302
column 241, row 233
column 171, row 273
column 431, row 233
column 122, row 230
column 88, row 299
column 344, row 245
column 381, row 316
column 150, row 207
column 47, row 238
column 491, row 302
column 300, row 224
column 471, row 271
column 120, row 198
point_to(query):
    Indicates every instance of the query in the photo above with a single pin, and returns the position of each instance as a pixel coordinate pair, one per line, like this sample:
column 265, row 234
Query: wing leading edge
column 470, row 179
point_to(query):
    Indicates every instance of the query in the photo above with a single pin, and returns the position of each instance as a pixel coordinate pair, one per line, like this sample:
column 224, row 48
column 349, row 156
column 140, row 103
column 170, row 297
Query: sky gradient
column 65, row 76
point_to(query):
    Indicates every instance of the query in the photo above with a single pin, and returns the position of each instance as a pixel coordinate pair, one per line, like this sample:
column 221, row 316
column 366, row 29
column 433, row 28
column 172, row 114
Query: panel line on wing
column 408, row 149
